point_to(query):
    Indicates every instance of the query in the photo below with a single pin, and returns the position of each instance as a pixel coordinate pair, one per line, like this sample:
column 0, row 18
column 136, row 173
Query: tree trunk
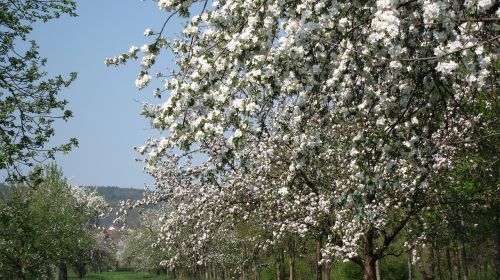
column 410, row 268
column 369, row 270
column 456, row 265
column 377, row 270
column 62, row 272
column 319, row 270
column 432, row 262
column 448, row 264
column 58, row 273
column 463, row 258
column 369, row 261
column 477, row 271
column 81, row 271
column 292, row 266
column 437, row 257
column 486, row 271
column 243, row 274
column 327, row 270
column 497, row 251
column 280, row 273
column 257, row 272
column 19, row 275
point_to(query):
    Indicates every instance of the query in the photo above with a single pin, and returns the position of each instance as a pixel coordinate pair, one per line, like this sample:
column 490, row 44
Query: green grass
column 122, row 275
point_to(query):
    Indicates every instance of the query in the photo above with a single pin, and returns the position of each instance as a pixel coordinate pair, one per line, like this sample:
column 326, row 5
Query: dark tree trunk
column 319, row 270
column 281, row 266
column 369, row 261
column 369, row 268
column 327, row 270
column 81, row 271
column 19, row 273
column 432, row 262
column 438, row 264
column 456, row 264
column 497, row 250
column 427, row 267
column 463, row 258
column 62, row 272
column 448, row 264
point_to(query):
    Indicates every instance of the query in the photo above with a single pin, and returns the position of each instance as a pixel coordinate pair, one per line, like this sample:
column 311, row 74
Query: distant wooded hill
column 113, row 195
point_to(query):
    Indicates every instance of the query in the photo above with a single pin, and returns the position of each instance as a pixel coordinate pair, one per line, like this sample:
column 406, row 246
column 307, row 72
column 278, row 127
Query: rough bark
column 369, row 268
column 369, row 261
column 327, row 270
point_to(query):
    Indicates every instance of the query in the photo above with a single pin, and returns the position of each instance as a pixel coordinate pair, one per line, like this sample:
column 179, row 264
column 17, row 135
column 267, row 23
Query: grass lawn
column 121, row 275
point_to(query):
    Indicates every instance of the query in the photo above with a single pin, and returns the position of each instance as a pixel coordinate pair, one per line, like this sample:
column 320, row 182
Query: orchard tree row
column 350, row 130
column 46, row 226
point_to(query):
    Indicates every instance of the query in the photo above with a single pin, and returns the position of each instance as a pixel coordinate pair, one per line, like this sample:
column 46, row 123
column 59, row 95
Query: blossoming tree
column 333, row 118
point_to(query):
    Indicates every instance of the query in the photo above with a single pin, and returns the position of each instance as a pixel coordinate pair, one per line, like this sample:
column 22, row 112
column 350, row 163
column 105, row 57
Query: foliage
column 28, row 100
column 43, row 225
column 393, row 268
column 350, row 271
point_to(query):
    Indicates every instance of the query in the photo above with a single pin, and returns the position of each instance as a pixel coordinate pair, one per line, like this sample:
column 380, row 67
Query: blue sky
column 104, row 100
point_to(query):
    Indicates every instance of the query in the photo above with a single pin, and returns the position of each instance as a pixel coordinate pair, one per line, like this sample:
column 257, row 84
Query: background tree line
column 47, row 226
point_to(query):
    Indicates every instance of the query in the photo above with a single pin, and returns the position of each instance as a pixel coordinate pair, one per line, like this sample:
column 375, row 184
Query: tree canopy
column 330, row 120
column 46, row 224
column 29, row 101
